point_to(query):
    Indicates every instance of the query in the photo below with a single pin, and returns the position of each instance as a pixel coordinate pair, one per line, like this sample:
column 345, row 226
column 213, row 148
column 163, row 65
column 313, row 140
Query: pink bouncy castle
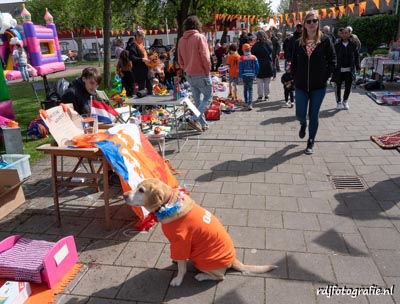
column 41, row 43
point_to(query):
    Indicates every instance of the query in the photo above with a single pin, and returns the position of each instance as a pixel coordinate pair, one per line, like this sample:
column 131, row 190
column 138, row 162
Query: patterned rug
column 387, row 141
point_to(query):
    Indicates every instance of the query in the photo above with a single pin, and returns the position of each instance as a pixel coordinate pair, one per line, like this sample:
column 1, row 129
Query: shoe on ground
column 302, row 132
column 266, row 98
column 230, row 96
column 339, row 106
column 292, row 104
column 205, row 128
column 310, row 147
column 250, row 108
column 195, row 125
column 345, row 105
column 259, row 99
column 288, row 103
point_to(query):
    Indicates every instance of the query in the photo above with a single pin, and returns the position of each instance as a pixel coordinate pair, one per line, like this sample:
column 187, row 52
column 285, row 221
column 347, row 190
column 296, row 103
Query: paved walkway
column 278, row 204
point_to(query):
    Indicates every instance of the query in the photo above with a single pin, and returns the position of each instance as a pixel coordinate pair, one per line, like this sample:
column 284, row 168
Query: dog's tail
column 239, row 266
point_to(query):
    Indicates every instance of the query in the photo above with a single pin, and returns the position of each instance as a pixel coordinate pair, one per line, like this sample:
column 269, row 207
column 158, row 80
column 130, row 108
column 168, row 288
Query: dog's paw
column 176, row 281
column 202, row 277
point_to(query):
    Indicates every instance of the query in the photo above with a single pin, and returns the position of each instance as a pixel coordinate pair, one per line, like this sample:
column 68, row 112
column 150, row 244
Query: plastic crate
column 19, row 162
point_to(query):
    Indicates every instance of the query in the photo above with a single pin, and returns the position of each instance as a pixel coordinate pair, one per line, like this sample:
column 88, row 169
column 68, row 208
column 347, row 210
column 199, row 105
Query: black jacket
column 263, row 52
column 347, row 57
column 78, row 96
column 311, row 73
column 139, row 68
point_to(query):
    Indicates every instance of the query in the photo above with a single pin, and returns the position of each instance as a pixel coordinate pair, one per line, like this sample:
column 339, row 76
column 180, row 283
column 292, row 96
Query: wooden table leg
column 106, row 194
column 55, row 188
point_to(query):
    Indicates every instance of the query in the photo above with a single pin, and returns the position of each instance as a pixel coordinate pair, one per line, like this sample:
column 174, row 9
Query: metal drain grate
column 348, row 183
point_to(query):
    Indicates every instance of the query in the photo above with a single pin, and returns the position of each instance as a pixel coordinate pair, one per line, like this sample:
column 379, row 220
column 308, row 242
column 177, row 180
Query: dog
column 193, row 232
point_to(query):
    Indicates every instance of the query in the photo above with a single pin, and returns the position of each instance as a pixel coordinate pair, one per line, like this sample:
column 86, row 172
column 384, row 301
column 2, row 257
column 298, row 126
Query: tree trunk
column 182, row 14
column 106, row 43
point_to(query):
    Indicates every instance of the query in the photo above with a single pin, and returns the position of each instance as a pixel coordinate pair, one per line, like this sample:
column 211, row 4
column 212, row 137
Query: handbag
column 213, row 112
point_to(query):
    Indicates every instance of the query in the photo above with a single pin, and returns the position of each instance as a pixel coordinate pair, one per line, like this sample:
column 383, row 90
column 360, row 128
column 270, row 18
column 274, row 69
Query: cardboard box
column 11, row 192
column 14, row 292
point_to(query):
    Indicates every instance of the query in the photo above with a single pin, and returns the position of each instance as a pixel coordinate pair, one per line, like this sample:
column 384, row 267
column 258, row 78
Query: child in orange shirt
column 233, row 63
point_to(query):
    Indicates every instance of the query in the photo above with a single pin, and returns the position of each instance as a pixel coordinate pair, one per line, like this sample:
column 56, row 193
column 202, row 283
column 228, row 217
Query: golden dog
column 193, row 232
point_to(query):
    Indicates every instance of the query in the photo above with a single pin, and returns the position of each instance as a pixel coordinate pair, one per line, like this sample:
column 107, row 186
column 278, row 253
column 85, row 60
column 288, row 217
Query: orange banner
column 376, row 2
column 323, row 13
column 342, row 9
column 351, row 8
column 362, row 7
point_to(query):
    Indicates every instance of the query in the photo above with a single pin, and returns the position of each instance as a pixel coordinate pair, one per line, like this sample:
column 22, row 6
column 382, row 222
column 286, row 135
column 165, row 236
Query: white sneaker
column 346, row 105
column 339, row 106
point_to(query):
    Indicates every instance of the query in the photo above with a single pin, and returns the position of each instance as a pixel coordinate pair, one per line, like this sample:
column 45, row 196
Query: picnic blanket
column 387, row 141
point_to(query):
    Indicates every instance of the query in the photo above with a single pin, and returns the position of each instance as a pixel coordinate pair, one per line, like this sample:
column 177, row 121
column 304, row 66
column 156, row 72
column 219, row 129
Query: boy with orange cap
column 248, row 69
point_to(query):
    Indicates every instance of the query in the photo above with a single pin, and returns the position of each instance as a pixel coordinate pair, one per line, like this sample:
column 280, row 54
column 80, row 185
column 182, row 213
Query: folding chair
column 124, row 113
column 39, row 89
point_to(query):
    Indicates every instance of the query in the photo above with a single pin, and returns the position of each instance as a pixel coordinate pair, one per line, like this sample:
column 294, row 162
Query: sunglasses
column 311, row 20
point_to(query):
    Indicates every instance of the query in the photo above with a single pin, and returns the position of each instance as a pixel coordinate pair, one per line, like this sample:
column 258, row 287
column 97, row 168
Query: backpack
column 37, row 129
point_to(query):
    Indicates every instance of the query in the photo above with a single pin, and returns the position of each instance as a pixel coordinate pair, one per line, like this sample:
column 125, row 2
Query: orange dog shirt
column 200, row 237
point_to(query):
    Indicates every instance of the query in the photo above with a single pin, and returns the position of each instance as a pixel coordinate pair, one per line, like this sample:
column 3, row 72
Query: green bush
column 380, row 52
column 372, row 30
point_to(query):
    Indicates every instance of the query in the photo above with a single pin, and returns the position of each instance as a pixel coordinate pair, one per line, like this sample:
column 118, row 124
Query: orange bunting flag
column 376, row 2
column 150, row 32
column 361, row 7
column 342, row 9
column 301, row 16
column 275, row 18
column 351, row 8
column 323, row 13
column 280, row 19
column 387, row 2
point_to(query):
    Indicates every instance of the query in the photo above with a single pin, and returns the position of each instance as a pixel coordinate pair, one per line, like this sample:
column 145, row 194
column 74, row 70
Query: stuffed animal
column 6, row 22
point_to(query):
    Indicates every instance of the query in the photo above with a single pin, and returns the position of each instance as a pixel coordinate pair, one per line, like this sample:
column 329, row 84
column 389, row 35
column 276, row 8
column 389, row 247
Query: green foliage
column 380, row 52
column 372, row 30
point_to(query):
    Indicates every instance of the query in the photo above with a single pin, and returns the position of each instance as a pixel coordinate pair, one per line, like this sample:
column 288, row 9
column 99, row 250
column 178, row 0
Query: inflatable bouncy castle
column 40, row 43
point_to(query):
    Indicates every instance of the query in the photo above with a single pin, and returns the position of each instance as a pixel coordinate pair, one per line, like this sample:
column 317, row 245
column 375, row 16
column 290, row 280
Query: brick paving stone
column 235, row 188
column 225, row 176
column 102, row 252
column 355, row 244
column 139, row 254
column 102, row 281
column 310, row 267
column 147, row 285
column 336, row 222
column 264, row 189
column 313, row 205
column 281, row 203
column 325, row 242
column 249, row 201
column 240, row 289
column 374, row 240
column 367, row 218
column 251, row 177
column 283, row 239
column 267, row 257
column 295, row 191
column 247, row 237
column 289, row 292
column 300, row 221
column 224, row 200
column 236, row 217
column 387, row 262
column 260, row 218
column 356, row 270
column 394, row 281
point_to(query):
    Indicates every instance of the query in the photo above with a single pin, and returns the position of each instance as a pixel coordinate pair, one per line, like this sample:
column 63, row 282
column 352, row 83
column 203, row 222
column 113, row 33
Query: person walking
column 21, row 60
column 313, row 62
column 263, row 51
column 248, row 69
column 194, row 58
column 348, row 60
column 233, row 63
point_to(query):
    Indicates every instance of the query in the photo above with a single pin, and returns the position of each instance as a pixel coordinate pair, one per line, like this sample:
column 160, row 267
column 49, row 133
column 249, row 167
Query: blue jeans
column 248, row 89
column 311, row 100
column 24, row 72
column 201, row 85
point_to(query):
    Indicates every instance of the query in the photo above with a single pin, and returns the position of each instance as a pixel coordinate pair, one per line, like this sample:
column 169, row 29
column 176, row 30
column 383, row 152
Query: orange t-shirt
column 200, row 237
column 233, row 62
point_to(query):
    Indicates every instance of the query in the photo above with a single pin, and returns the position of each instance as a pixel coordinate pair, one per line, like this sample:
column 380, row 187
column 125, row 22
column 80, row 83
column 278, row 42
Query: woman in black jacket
column 348, row 60
column 262, row 49
column 313, row 61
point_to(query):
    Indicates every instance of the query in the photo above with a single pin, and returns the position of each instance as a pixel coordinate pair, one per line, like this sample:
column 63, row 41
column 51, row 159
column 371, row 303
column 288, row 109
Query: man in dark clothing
column 82, row 89
column 285, row 47
column 296, row 35
column 276, row 49
column 244, row 38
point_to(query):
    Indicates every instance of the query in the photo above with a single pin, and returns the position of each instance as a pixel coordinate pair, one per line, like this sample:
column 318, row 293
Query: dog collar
column 166, row 211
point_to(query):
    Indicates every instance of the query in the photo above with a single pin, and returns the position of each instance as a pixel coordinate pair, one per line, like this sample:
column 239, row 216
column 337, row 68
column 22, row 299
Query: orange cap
column 246, row 47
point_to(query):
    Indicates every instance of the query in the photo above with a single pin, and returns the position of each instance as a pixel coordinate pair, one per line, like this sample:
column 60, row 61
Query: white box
column 14, row 292
column 20, row 162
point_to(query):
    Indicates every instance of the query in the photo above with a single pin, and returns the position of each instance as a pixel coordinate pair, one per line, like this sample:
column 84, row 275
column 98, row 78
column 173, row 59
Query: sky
column 275, row 4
